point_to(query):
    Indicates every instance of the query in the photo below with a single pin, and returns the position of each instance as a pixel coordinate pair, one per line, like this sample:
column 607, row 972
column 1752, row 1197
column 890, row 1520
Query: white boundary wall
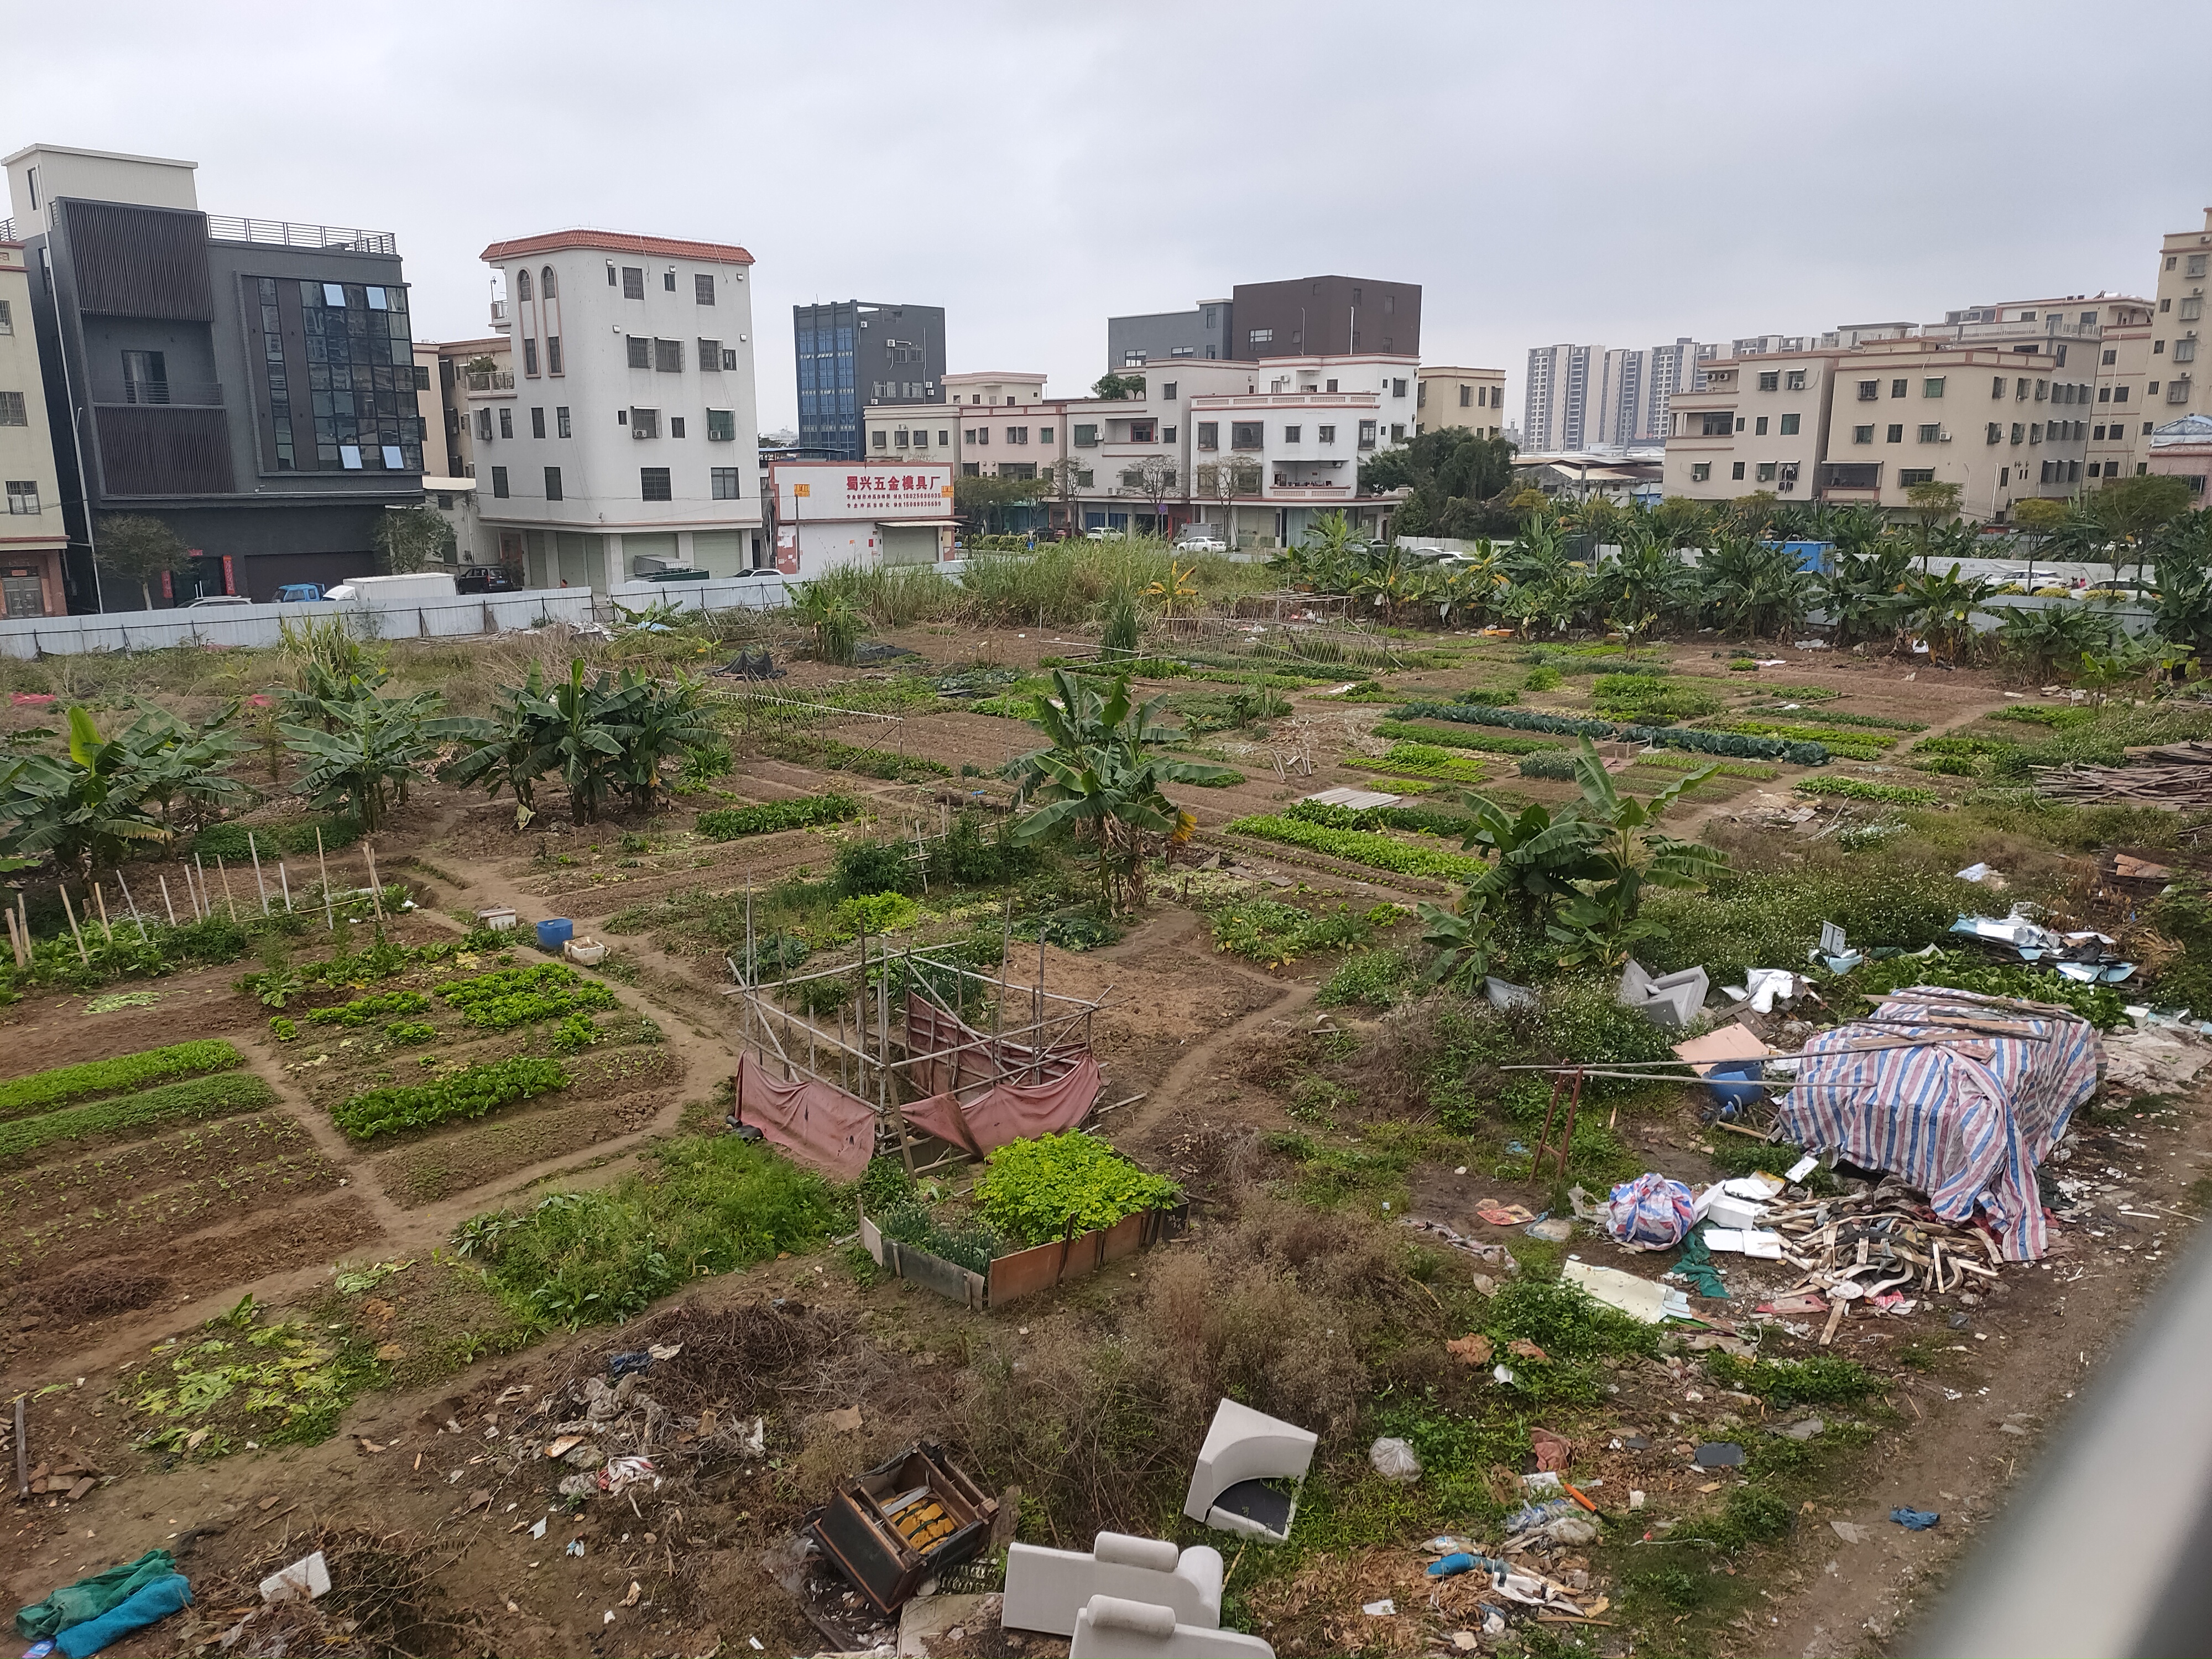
column 464, row 616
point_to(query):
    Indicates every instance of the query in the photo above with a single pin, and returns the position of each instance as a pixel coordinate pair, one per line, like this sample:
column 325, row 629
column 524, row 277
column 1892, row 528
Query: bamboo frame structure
column 876, row 1061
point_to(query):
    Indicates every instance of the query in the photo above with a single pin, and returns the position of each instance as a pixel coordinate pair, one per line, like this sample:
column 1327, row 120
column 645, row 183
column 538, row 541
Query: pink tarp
column 818, row 1123
column 949, row 1043
column 1010, row 1111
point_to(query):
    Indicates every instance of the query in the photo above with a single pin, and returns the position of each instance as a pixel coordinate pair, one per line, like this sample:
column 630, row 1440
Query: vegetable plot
column 501, row 1001
column 731, row 823
column 470, row 1092
column 205, row 1096
column 1363, row 847
column 1039, row 1190
column 43, row 1090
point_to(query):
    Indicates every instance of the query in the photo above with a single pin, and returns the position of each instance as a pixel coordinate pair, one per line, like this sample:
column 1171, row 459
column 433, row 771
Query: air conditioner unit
column 1942, row 437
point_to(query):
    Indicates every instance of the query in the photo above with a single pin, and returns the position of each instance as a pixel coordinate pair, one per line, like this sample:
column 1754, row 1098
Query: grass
column 43, row 1091
column 197, row 1097
column 712, row 1204
column 1822, row 1380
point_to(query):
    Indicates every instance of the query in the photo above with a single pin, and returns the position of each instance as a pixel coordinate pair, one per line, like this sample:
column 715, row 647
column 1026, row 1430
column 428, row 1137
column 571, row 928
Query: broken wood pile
column 1875, row 1246
column 2177, row 776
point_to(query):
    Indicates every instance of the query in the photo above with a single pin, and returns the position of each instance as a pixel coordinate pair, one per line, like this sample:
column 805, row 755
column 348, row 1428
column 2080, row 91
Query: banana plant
column 1460, row 940
column 362, row 760
column 1941, row 608
column 1624, row 854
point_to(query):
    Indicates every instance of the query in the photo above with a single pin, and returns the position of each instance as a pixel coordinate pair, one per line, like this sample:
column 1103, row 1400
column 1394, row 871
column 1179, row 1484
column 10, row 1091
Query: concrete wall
column 259, row 624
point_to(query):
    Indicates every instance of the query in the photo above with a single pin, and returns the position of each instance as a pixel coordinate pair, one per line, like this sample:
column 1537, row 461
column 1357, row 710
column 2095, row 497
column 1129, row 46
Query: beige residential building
column 32, row 536
column 1447, row 396
column 2176, row 382
column 1865, row 425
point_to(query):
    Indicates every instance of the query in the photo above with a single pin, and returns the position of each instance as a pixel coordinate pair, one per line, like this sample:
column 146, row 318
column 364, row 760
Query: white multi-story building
column 624, row 438
column 31, row 537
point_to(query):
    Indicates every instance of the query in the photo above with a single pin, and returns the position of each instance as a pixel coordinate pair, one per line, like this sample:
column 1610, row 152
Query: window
column 611, row 273
column 548, row 286
column 1869, row 391
column 980, row 437
column 506, row 422
column 640, row 351
column 1930, row 431
column 1466, row 396
column 483, row 425
column 1998, row 387
column 1325, row 433
column 334, row 295
column 2042, row 390
column 7, row 319
column 710, row 356
column 2177, row 392
column 2120, row 393
column 645, row 423
column 552, row 483
column 522, row 285
column 499, row 483
column 2104, row 394
column 1862, row 435
column 675, row 426
column 880, row 438
column 1770, row 380
column 1736, row 472
column 1018, row 435
column 1141, row 432
column 668, row 281
column 2018, row 432
column 1897, row 388
column 729, row 357
column 722, row 483
column 561, row 420
column 11, row 409
column 1932, row 387
column 668, row 356
column 1251, row 434
column 1909, row 476
column 1701, row 472
column 145, row 377
column 2196, row 266
column 944, row 438
column 633, row 281
column 1790, row 426
column 1168, row 389
column 702, row 289
column 553, row 354
column 2192, row 308
column 1794, row 381
column 721, row 426
column 1758, row 426
column 1367, row 434
column 1260, row 336
column 1166, row 435
column 1766, row 472
column 1397, row 388
column 1895, row 434
column 1293, row 435
column 1209, row 434
column 652, row 484
column 2035, row 432
column 1996, row 432
column 2146, row 429
column 2184, row 352
column 1086, row 434
column 22, row 496
column 537, row 422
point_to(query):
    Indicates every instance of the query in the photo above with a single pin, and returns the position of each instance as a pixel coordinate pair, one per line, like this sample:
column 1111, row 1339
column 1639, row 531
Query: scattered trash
column 1504, row 1215
column 1394, row 1460
column 1850, row 1531
column 1474, row 1348
column 305, row 1580
column 1979, row 872
column 1694, row 1267
column 1719, row 1455
column 149, row 1604
column 1803, row 1167
column 1521, row 1348
column 89, row 1597
column 1641, row 1298
column 1451, row 1566
column 1635, row 1498
column 1650, row 1212
column 1553, row 1452
column 2162, row 1060
column 1745, row 1241
column 1804, row 1430
column 1556, row 1230
column 902, row 1523
column 1386, row 1609
column 575, row 1546
column 1914, row 1519
column 538, row 1531
column 628, row 1364
column 1483, row 1250
column 846, row 1421
column 1504, row 995
column 622, row 1473
column 1670, row 1000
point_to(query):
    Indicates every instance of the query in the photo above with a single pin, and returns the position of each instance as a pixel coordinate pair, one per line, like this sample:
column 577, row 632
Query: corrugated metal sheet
column 153, row 451
column 138, row 261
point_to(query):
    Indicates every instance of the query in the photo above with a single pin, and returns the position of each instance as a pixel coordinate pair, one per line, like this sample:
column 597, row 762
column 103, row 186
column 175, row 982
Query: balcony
column 1851, row 480
column 499, row 313
column 491, row 383
column 181, row 394
column 1309, row 492
column 286, row 233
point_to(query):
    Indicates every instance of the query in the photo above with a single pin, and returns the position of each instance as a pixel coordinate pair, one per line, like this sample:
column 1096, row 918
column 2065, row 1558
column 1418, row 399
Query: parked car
column 299, row 593
column 484, row 579
column 1203, row 544
column 213, row 601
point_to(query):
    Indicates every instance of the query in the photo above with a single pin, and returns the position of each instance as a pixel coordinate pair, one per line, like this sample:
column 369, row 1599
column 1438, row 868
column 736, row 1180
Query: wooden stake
column 15, row 941
column 207, row 907
column 329, row 916
column 100, row 899
column 263, row 886
column 133, row 903
column 221, row 870
column 375, row 886
column 886, row 1096
column 167, row 903
column 285, row 881
column 76, row 933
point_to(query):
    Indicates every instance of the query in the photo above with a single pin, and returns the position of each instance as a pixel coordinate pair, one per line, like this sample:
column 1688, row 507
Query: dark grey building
column 1165, row 336
column 1325, row 316
column 851, row 353
column 251, row 383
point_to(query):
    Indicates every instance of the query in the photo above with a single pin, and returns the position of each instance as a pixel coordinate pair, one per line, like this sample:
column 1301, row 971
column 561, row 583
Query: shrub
column 714, row 1204
column 1758, row 918
column 732, row 822
column 468, row 1093
column 362, row 1010
column 500, row 1001
column 1495, row 743
column 1894, row 795
column 42, row 1092
column 869, row 867
column 1041, row 1189
column 203, row 1096
column 1375, row 850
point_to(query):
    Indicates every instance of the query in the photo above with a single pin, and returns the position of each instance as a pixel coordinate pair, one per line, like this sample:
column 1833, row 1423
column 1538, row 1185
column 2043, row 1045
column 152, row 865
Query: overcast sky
column 1614, row 173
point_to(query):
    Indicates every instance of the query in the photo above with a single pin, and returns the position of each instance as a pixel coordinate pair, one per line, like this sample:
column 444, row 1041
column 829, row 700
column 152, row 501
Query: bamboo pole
column 15, row 942
column 207, row 908
column 285, row 881
column 167, row 903
column 222, row 870
column 886, row 1097
column 75, row 933
column 106, row 926
column 375, row 884
column 133, row 903
column 1036, row 1012
column 262, row 885
column 330, row 916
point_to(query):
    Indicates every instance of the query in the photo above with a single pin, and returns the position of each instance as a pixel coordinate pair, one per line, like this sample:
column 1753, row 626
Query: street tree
column 411, row 538
column 141, row 547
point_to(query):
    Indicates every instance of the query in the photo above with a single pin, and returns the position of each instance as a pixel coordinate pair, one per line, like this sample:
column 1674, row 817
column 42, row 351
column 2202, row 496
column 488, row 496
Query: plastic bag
column 1394, row 1460
column 1650, row 1213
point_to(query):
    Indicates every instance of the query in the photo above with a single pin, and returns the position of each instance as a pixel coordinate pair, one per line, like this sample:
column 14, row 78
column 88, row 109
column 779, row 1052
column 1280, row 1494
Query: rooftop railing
column 286, row 233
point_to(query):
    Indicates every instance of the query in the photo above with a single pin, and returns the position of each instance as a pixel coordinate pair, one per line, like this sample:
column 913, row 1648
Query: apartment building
column 1556, row 408
column 1582, row 398
column 624, row 440
column 1452, row 396
column 1325, row 316
column 31, row 537
column 854, row 354
column 1269, row 461
column 251, row 383
column 2175, row 381
column 461, row 375
column 1866, row 425
column 1202, row 332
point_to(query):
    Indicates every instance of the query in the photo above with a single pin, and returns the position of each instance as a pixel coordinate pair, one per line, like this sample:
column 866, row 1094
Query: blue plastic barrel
column 1734, row 1084
column 554, row 933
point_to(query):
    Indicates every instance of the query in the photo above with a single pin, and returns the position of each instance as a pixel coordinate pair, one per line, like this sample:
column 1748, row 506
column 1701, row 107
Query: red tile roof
column 616, row 241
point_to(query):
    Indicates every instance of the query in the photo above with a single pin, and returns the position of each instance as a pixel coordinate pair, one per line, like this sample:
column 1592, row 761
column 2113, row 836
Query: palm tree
column 1099, row 781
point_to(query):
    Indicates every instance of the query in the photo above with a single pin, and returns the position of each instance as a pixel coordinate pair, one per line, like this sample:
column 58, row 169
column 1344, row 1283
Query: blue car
column 298, row 593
